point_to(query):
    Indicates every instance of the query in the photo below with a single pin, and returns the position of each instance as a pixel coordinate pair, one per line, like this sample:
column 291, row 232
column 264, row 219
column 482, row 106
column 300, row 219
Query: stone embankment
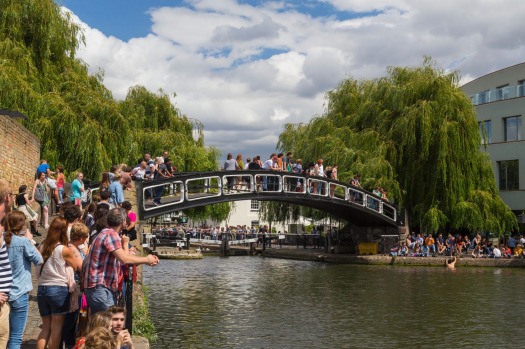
column 316, row 255
column 175, row 253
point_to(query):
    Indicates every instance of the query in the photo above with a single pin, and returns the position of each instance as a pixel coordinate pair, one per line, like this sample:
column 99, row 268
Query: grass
column 142, row 324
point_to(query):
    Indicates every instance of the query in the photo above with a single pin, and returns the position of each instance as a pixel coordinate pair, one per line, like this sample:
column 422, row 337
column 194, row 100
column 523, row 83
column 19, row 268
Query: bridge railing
column 186, row 188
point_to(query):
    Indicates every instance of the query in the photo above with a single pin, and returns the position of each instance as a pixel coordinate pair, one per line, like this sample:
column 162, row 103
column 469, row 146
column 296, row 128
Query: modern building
column 499, row 98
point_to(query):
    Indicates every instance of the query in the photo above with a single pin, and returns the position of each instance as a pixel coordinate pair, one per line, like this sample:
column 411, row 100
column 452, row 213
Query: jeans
column 100, row 298
column 158, row 194
column 61, row 195
column 17, row 320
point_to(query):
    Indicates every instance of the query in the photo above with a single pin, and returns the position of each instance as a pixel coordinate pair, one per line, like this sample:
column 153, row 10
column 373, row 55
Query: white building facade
column 499, row 99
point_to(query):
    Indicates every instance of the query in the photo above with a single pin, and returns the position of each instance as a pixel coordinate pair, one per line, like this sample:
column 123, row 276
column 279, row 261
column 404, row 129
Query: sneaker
column 37, row 233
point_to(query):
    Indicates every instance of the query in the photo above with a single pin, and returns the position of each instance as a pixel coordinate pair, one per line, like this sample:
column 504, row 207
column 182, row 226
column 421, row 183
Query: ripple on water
column 252, row 302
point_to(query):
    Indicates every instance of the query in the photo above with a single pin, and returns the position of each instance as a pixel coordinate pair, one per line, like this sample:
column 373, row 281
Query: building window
column 502, row 92
column 485, row 129
column 254, row 206
column 509, row 176
column 512, row 128
column 521, row 88
column 483, row 97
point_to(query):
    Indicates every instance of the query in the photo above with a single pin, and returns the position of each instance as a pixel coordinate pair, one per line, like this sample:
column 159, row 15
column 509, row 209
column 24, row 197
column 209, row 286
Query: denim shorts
column 53, row 300
column 100, row 298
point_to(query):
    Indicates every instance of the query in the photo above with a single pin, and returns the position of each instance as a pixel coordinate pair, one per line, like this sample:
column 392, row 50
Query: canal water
column 256, row 302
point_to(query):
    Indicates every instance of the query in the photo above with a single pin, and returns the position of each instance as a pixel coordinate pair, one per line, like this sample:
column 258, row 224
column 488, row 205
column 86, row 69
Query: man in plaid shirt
column 103, row 263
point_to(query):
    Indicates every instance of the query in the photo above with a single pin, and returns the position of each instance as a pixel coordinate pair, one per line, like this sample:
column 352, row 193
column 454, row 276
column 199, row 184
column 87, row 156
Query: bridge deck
column 188, row 190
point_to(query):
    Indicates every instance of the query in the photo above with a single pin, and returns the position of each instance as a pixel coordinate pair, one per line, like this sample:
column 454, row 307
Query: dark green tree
column 413, row 132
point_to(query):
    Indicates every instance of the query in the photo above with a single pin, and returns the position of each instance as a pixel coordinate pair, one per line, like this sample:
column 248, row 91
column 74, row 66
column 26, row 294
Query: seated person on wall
column 506, row 252
column 440, row 245
column 459, row 246
column 424, row 250
column 466, row 243
column 411, row 243
column 477, row 252
column 394, row 250
column 518, row 252
column 450, row 243
column 496, row 252
column 429, row 241
column 403, row 251
column 417, row 251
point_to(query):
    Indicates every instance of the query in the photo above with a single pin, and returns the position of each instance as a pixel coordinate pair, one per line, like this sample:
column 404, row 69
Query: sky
column 245, row 68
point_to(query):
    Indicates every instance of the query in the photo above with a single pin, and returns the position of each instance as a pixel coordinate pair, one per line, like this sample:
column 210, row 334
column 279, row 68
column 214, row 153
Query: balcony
column 498, row 94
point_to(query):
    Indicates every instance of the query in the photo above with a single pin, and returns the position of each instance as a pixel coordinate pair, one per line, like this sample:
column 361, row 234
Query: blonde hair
column 100, row 338
column 79, row 231
column 100, row 319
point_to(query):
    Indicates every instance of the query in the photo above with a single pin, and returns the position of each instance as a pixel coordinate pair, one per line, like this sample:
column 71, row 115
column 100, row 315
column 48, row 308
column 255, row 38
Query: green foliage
column 142, row 324
column 413, row 132
column 217, row 212
column 79, row 123
column 276, row 211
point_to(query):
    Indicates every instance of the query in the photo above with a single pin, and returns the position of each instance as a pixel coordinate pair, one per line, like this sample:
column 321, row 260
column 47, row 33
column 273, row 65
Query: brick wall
column 19, row 153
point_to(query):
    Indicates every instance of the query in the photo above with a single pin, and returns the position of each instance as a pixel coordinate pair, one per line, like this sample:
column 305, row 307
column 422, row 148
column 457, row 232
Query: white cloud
column 244, row 70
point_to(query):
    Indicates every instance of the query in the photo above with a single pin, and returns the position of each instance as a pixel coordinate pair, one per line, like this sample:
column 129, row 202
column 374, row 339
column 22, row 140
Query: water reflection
column 253, row 302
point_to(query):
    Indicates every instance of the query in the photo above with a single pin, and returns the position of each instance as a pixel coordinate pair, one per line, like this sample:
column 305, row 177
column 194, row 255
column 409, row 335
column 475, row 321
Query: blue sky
column 126, row 19
column 247, row 67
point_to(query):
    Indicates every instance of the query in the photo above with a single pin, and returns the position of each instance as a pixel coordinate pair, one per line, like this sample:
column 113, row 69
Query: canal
column 256, row 302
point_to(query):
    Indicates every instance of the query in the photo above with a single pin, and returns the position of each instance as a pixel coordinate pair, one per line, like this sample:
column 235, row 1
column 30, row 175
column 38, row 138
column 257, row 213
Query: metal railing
column 196, row 189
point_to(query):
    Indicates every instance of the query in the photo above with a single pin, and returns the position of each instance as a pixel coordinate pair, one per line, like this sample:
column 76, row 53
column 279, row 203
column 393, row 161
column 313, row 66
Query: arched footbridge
column 194, row 189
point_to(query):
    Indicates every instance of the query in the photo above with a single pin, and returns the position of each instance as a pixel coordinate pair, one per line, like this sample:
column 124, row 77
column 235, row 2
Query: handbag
column 40, row 193
column 73, row 290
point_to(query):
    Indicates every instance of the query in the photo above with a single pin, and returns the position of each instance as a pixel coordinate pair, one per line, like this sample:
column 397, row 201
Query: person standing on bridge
column 230, row 165
column 319, row 172
column 103, row 263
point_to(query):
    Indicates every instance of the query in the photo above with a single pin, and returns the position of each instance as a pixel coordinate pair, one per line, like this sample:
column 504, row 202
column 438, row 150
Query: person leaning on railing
column 103, row 263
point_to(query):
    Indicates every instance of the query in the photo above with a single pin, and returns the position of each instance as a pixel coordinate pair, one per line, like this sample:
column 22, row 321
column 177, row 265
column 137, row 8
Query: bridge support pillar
column 225, row 247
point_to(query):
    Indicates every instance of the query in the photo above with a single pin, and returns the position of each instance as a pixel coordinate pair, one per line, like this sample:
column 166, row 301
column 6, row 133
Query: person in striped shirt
column 6, row 275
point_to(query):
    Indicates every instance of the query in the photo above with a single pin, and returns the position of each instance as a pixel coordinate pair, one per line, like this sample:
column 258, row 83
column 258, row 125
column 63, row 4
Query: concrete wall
column 19, row 153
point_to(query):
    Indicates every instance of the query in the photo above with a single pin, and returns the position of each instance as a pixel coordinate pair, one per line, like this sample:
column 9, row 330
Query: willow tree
column 79, row 123
column 413, row 132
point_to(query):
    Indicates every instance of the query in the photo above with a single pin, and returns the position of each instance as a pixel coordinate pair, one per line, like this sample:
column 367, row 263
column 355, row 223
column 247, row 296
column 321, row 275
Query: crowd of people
column 421, row 245
column 82, row 264
column 282, row 163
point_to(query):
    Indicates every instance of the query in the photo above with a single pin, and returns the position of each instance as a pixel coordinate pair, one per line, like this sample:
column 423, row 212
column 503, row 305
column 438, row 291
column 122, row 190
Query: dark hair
column 72, row 213
column 100, row 218
column 91, row 208
column 22, row 188
column 114, row 218
column 105, row 194
column 126, row 205
column 115, row 309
